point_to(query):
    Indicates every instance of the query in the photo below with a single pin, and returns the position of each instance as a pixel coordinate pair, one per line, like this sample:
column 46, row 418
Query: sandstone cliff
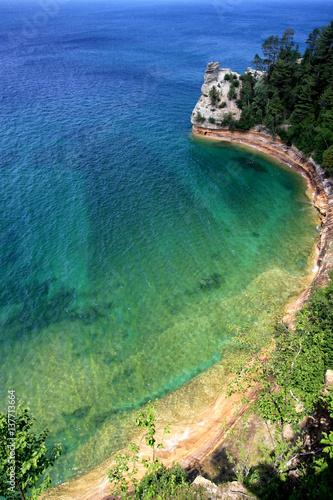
column 220, row 91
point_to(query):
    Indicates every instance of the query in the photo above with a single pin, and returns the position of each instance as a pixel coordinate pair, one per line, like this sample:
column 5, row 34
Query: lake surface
column 127, row 246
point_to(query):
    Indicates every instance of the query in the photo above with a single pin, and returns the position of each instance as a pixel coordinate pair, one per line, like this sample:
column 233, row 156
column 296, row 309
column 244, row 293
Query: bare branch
column 298, row 353
column 241, row 493
column 287, row 464
column 298, row 401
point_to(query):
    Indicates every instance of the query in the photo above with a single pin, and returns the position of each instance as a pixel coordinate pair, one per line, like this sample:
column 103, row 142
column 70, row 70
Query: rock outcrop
column 220, row 91
column 328, row 379
column 211, row 75
column 210, row 110
column 228, row 491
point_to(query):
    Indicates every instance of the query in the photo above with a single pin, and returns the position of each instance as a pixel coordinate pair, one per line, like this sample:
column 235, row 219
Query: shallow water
column 126, row 245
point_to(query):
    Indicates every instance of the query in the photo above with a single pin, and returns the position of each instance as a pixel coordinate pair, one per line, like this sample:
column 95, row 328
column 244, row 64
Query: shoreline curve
column 193, row 442
column 321, row 193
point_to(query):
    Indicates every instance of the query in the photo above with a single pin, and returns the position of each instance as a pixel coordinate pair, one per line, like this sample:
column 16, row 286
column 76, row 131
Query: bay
column 126, row 245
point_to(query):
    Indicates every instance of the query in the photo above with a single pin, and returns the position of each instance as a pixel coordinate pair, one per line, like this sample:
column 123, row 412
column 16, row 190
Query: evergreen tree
column 328, row 165
column 270, row 48
column 312, row 42
column 295, row 91
column 274, row 113
column 304, row 102
column 287, row 39
column 258, row 63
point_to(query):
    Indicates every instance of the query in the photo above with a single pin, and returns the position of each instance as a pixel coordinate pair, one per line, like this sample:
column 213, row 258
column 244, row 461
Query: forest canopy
column 294, row 96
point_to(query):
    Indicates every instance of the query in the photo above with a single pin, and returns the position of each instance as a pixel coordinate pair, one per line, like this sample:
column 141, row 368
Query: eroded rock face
column 212, row 72
column 210, row 110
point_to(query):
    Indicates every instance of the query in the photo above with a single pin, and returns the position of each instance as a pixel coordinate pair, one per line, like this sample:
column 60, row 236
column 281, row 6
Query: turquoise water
column 126, row 245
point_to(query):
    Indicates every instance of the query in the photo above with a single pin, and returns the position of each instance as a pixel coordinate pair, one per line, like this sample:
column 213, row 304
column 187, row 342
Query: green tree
column 287, row 364
column 122, row 475
column 304, row 102
column 24, row 457
column 282, row 82
column 325, row 100
column 270, row 49
column 287, row 39
column 214, row 95
column 274, row 113
column 258, row 63
column 312, row 42
column 328, row 160
column 232, row 92
column 260, row 98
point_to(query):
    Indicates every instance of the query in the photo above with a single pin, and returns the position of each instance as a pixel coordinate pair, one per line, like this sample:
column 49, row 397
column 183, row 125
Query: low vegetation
column 24, row 457
column 288, row 365
column 158, row 482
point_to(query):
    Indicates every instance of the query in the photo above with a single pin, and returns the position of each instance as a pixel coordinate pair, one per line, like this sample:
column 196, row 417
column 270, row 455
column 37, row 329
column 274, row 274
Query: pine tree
column 304, row 102
column 258, row 63
column 328, row 161
column 270, row 49
column 287, row 39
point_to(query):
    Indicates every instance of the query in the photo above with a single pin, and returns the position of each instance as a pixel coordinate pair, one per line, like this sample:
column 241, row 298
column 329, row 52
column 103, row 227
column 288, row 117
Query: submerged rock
column 78, row 413
column 211, row 283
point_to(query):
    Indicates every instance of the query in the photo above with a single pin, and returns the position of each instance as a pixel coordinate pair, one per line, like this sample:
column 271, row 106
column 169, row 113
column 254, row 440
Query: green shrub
column 32, row 459
column 232, row 93
column 214, row 95
column 164, row 482
column 211, row 119
column 199, row 118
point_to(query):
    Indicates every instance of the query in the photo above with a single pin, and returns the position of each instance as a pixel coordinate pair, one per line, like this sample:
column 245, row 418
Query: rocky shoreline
column 321, row 193
column 321, row 189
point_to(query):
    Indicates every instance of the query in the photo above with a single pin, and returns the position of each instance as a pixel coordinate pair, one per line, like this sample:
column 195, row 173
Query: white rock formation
column 215, row 77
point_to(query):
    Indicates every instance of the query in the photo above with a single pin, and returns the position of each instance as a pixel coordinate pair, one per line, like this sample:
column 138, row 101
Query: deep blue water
column 126, row 245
